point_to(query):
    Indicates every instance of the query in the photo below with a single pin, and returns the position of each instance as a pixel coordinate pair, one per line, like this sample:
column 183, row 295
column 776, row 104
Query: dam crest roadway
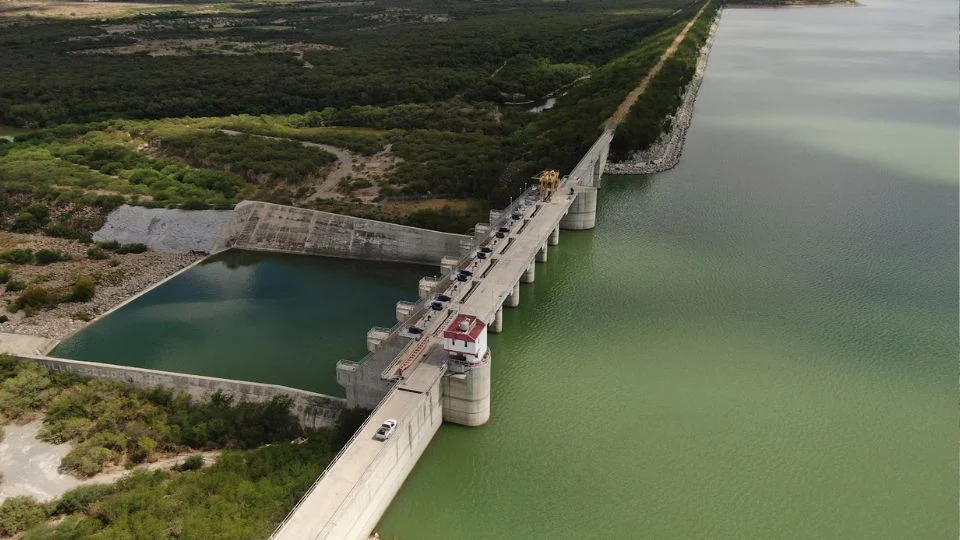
column 409, row 377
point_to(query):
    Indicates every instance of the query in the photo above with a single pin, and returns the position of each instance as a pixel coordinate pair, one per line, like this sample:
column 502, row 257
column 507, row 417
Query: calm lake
column 256, row 317
column 760, row 343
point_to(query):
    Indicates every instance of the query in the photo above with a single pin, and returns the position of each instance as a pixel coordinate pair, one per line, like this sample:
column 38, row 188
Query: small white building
column 466, row 339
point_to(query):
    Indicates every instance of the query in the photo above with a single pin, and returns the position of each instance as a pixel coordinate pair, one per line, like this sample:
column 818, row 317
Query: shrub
column 4, row 275
column 64, row 230
column 82, row 289
column 97, row 254
column 111, row 245
column 20, row 513
column 17, row 256
column 3, row 319
column 15, row 285
column 132, row 248
column 37, row 297
column 79, row 498
column 192, row 463
column 48, row 256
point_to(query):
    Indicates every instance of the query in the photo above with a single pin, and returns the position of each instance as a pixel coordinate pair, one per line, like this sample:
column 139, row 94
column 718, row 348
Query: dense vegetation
column 112, row 423
column 443, row 87
column 244, row 495
column 650, row 114
column 269, row 464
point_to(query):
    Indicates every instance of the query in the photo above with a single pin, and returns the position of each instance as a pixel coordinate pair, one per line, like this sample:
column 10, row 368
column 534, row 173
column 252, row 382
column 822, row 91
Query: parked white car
column 385, row 430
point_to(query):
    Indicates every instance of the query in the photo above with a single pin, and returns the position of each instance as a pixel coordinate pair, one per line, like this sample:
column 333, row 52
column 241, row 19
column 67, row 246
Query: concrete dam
column 411, row 375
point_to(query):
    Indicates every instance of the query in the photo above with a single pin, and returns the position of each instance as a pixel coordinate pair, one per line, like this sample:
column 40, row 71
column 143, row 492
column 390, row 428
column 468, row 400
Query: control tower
column 465, row 388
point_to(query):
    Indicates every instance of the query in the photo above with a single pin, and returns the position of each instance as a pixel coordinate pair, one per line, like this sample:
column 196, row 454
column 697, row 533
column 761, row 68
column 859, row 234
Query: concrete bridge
column 409, row 377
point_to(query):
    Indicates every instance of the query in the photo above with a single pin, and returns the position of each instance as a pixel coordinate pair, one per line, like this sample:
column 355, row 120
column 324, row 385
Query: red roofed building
column 466, row 339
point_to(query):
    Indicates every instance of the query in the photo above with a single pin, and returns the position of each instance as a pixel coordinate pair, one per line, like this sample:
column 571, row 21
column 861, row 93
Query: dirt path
column 327, row 188
column 624, row 107
column 30, row 466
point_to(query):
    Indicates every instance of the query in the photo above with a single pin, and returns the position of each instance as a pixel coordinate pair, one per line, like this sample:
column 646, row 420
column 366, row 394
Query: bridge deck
column 354, row 465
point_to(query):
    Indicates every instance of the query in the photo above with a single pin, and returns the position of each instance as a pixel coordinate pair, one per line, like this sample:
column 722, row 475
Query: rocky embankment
column 665, row 153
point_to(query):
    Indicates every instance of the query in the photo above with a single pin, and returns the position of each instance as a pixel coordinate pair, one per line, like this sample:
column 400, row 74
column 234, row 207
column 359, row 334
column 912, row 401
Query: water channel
column 760, row 343
column 281, row 319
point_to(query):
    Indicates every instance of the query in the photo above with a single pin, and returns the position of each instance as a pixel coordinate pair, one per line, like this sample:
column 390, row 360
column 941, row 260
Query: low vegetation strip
column 649, row 116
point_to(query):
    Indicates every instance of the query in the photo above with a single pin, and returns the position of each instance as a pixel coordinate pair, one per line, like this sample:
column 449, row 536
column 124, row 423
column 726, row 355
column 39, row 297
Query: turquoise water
column 760, row 343
column 250, row 316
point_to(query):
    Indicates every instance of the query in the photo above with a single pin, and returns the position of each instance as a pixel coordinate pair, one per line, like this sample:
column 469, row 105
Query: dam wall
column 163, row 229
column 312, row 409
column 261, row 226
column 346, row 502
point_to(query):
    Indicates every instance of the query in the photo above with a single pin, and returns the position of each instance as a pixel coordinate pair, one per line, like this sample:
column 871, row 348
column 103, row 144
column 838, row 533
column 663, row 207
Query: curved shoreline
column 665, row 153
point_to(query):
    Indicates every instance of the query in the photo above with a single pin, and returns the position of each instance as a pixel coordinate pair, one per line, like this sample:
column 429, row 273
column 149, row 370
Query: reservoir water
column 256, row 317
column 760, row 343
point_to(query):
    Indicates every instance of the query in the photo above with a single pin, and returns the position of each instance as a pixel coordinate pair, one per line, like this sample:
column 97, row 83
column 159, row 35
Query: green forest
column 442, row 87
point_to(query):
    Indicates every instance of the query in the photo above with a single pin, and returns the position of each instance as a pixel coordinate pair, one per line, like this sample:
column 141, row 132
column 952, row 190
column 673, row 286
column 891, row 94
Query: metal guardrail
column 333, row 461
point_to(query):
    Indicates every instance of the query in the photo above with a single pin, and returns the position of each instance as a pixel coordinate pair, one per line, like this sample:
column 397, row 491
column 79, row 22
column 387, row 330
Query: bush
column 37, row 297
column 82, row 289
column 17, row 256
column 48, row 256
column 15, row 285
column 111, row 245
column 19, row 513
column 97, row 254
column 3, row 319
column 192, row 463
column 79, row 498
column 64, row 230
column 132, row 248
column 4, row 275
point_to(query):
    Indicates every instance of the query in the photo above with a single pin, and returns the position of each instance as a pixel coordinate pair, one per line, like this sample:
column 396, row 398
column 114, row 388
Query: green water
column 761, row 343
column 250, row 316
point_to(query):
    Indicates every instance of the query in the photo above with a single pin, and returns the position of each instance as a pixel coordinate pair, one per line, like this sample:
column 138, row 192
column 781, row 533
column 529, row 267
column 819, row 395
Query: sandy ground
column 118, row 278
column 29, row 465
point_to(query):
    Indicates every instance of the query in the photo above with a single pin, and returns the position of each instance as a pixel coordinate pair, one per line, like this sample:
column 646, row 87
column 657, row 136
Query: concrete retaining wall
column 312, row 409
column 261, row 226
column 163, row 229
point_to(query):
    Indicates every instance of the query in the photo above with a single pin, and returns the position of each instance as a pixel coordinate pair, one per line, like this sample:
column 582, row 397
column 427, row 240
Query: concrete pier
column 583, row 212
column 465, row 397
column 497, row 326
column 530, row 274
column 447, row 264
column 554, row 236
column 542, row 254
column 376, row 337
column 513, row 299
column 404, row 309
column 426, row 286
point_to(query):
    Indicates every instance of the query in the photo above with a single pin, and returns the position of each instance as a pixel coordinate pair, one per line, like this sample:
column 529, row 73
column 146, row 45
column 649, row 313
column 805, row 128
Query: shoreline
column 120, row 279
column 665, row 153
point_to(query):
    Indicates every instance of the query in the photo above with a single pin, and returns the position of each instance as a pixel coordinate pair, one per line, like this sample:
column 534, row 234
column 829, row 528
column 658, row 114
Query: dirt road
column 624, row 107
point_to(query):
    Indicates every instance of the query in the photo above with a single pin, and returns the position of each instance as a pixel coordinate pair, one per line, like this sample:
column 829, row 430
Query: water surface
column 760, row 343
column 281, row 319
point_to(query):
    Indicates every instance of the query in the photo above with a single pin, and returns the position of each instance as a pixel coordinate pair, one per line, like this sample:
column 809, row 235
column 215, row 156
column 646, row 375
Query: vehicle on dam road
column 385, row 430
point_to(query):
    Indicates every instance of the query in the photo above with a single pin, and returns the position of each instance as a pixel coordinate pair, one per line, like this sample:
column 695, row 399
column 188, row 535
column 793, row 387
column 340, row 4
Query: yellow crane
column 549, row 183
